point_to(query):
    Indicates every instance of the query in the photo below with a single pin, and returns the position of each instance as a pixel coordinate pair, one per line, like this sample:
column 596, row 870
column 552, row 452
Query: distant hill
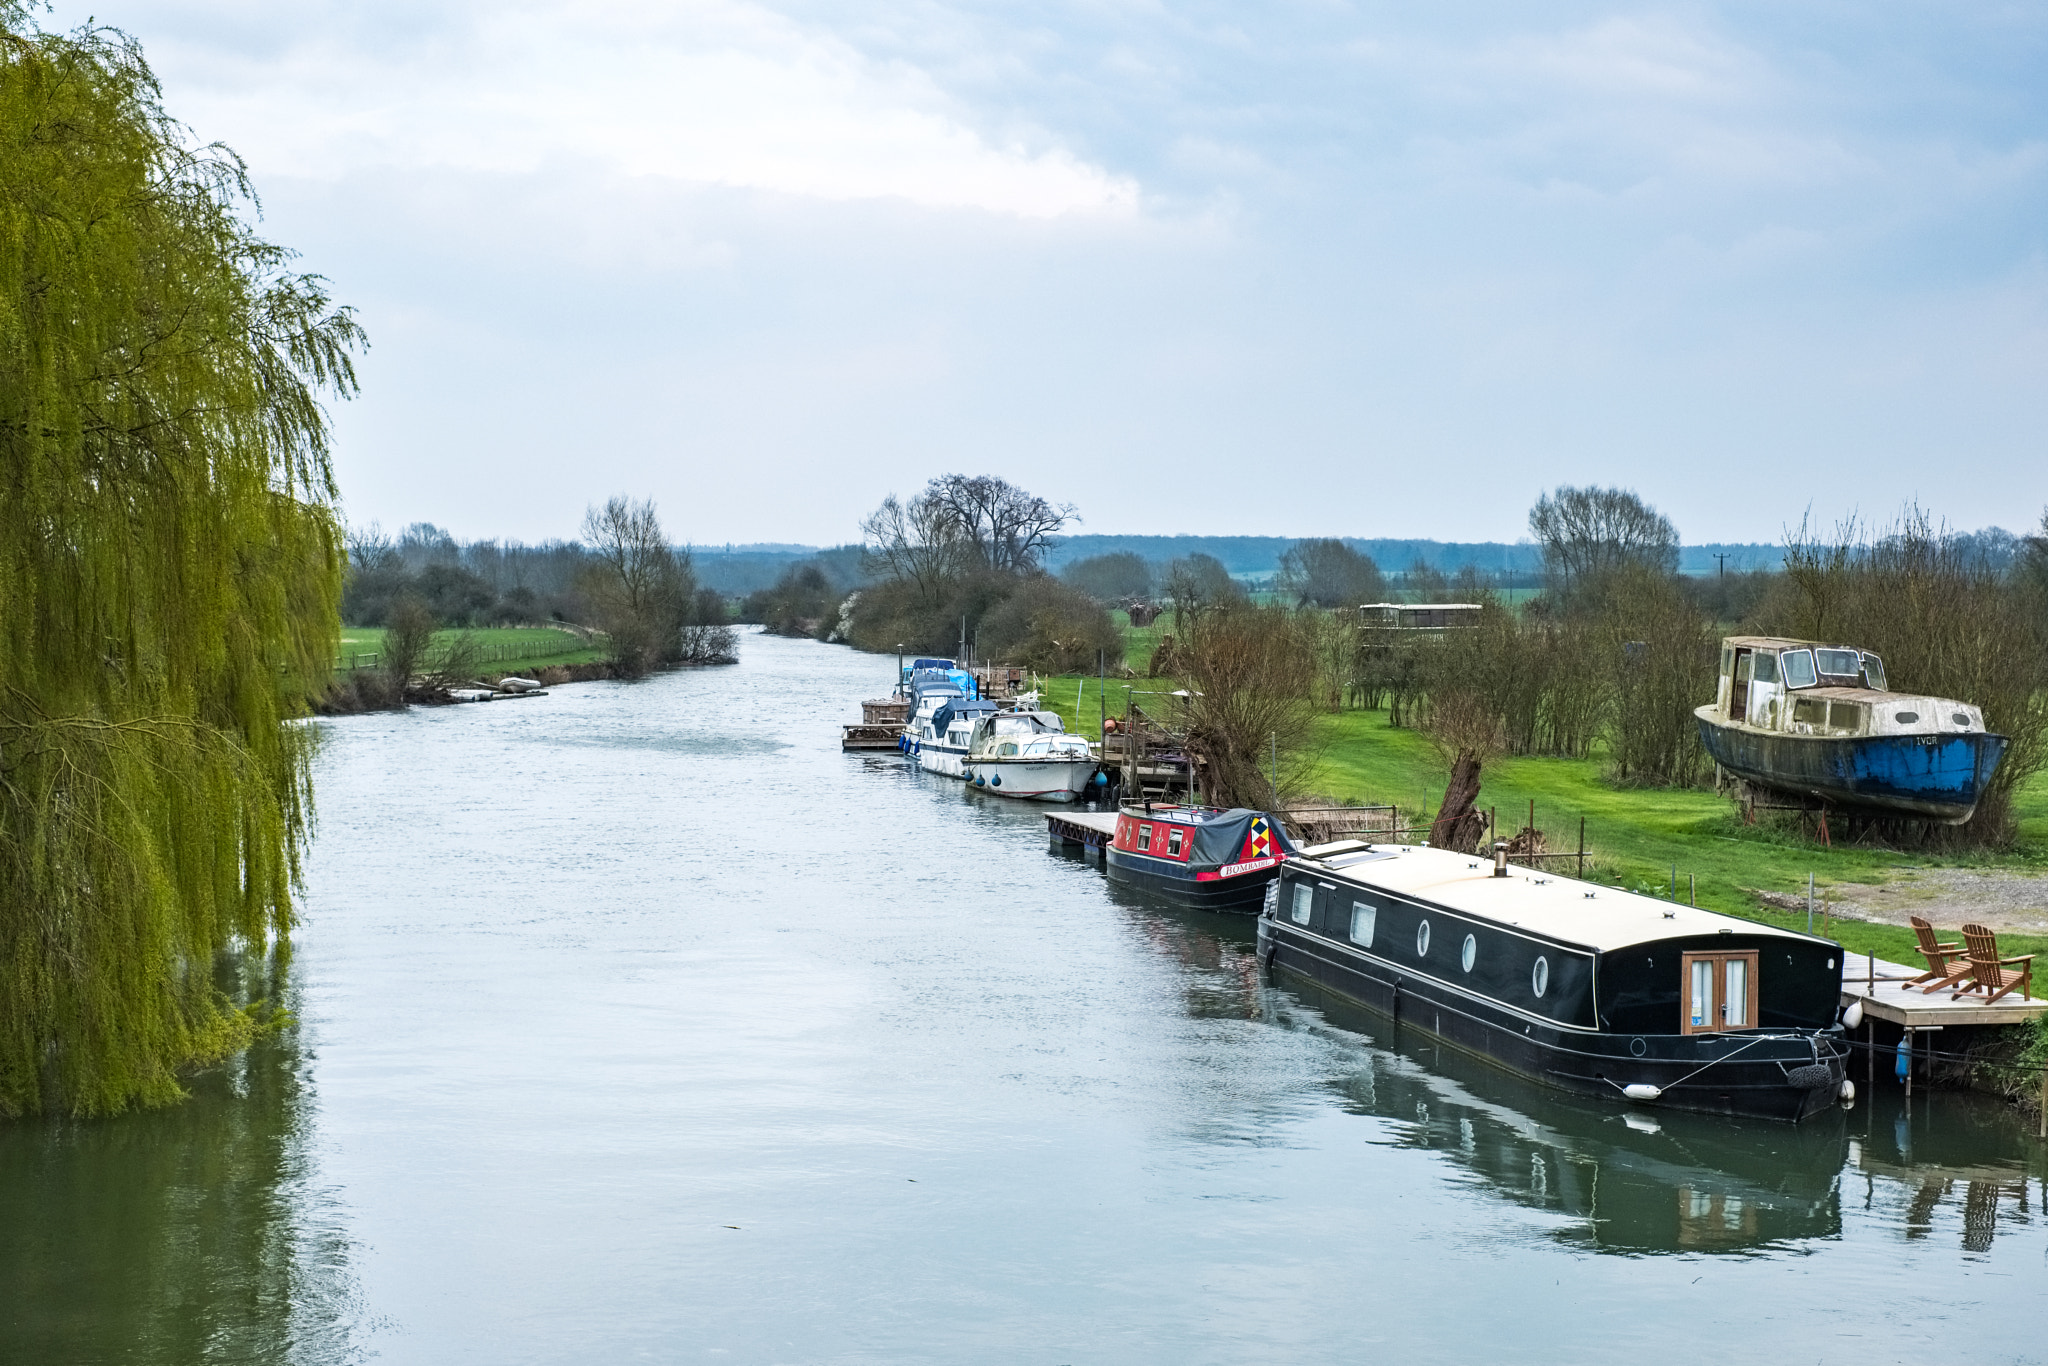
column 741, row 569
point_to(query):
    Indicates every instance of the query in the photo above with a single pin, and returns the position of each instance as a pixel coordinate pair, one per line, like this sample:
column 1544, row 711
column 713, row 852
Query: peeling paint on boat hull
column 1935, row 777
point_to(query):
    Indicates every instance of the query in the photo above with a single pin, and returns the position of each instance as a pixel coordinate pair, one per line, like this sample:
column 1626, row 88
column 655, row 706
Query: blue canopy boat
column 1817, row 721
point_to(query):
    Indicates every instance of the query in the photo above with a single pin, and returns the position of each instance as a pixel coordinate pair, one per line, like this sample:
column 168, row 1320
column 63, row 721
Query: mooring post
column 1692, row 895
column 1809, row 903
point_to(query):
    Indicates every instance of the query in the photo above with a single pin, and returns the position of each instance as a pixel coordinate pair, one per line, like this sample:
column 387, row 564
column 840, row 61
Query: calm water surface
column 638, row 1023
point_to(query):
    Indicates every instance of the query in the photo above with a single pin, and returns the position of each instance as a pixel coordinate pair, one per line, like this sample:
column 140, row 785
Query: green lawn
column 1636, row 837
column 501, row 649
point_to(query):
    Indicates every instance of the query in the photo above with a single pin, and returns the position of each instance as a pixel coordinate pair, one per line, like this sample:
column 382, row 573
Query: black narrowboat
column 1588, row 988
column 1202, row 856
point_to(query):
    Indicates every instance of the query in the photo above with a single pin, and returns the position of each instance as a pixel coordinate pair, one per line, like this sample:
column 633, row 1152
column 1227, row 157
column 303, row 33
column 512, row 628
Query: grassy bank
column 500, row 649
column 1640, row 838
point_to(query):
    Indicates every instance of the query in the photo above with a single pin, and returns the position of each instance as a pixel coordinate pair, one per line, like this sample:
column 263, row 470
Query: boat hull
column 1756, row 1083
column 1933, row 777
column 935, row 756
column 1033, row 780
column 1238, row 894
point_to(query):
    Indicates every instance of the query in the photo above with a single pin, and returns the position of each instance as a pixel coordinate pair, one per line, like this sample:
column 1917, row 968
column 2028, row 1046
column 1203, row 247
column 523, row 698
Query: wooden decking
column 1090, row 829
column 1890, row 1000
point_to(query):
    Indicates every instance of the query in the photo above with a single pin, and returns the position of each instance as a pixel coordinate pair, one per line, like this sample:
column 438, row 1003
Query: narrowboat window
column 1363, row 916
column 1144, row 837
column 1422, row 940
column 1837, row 663
column 1907, row 718
column 1810, row 711
column 1766, row 669
column 1799, row 669
column 1471, row 953
column 1173, row 841
column 1845, row 716
column 1304, row 901
column 1539, row 976
column 1873, row 672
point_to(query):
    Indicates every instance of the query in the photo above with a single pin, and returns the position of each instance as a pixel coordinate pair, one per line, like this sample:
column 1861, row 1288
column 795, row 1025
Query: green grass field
column 1636, row 837
column 501, row 649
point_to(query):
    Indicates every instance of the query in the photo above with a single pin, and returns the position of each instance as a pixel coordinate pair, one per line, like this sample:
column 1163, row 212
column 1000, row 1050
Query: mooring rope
column 1760, row 1038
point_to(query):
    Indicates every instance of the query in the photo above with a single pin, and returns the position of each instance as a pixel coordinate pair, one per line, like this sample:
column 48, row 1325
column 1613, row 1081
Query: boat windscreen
column 1799, row 669
column 1873, row 673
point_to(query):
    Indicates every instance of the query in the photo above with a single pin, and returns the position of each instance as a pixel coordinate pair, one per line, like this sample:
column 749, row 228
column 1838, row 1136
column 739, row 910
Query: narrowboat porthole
column 1304, row 899
column 1637, row 1047
column 1471, row 953
column 1539, row 976
column 1363, row 914
column 1422, row 940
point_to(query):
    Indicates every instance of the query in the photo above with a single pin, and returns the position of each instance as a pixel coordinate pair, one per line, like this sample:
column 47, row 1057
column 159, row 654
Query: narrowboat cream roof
column 1541, row 903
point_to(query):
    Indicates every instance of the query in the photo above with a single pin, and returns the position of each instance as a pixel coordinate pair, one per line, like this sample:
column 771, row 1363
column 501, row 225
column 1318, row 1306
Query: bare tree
column 999, row 525
column 1329, row 573
column 914, row 542
column 1250, row 672
column 639, row 588
column 1587, row 533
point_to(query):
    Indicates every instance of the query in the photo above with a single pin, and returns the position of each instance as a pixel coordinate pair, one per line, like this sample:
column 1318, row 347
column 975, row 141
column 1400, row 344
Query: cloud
column 708, row 92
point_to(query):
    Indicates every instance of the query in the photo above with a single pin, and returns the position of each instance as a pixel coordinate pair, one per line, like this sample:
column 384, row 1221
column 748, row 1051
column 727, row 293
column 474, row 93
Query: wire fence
column 437, row 656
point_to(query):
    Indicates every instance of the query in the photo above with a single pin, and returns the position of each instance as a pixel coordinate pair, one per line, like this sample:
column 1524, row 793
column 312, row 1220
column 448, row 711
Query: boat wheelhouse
column 1203, row 856
column 1817, row 721
column 941, row 741
column 1029, row 755
column 1588, row 988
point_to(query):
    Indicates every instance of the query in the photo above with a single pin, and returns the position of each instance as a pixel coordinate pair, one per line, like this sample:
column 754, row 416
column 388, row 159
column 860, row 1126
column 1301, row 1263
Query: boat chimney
column 1500, row 858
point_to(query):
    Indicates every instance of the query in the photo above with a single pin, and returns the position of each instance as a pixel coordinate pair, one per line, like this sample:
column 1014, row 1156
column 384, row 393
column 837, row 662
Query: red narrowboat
column 1202, row 856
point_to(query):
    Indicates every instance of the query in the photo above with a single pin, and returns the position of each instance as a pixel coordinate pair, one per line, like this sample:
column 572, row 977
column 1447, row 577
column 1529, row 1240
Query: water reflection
column 1628, row 1181
column 194, row 1234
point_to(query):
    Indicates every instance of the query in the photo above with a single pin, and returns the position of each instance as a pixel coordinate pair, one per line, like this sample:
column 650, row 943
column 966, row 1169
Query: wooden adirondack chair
column 1991, row 974
column 1947, row 964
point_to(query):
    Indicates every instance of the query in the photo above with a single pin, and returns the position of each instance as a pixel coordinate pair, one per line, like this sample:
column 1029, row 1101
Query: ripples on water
column 638, row 1022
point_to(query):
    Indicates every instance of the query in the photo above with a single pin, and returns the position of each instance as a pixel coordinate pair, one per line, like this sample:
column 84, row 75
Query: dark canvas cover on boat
column 1239, row 836
column 957, row 708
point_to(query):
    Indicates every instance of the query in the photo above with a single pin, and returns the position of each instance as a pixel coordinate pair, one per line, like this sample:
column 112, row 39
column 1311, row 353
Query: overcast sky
column 1297, row 267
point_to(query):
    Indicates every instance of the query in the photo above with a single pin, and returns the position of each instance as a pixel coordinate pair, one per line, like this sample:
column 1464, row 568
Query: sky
column 1299, row 267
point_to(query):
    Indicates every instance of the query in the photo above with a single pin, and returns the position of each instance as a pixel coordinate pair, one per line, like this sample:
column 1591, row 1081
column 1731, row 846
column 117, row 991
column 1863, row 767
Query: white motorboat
column 1028, row 754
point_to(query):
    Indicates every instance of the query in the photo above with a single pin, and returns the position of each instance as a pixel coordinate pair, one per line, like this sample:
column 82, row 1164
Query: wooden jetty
column 1882, row 989
column 881, row 724
column 1093, row 830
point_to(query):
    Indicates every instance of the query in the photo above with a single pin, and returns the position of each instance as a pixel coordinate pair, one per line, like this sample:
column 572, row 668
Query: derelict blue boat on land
column 1817, row 721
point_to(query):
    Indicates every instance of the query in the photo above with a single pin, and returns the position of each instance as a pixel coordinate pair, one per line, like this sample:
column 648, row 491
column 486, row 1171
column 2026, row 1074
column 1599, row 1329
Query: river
column 639, row 1023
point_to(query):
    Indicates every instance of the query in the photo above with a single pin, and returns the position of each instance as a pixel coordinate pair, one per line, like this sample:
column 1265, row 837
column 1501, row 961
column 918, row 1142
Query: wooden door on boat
column 1717, row 991
column 1738, row 686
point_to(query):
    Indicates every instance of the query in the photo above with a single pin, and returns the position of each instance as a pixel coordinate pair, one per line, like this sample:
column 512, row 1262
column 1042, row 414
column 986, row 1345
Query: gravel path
column 1999, row 898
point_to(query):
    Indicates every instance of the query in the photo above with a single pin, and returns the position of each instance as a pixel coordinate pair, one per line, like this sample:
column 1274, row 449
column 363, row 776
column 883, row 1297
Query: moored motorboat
column 1202, row 856
column 941, row 740
column 1029, row 755
column 1584, row 987
column 1816, row 721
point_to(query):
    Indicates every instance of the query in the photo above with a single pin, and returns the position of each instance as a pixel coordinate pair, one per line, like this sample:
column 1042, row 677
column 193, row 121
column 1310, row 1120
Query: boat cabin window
column 1718, row 992
column 1799, row 669
column 1470, row 954
column 1846, row 716
column 1173, row 838
column 1839, row 663
column 1539, row 976
column 1765, row 668
column 1422, row 940
column 1304, row 902
column 1727, row 660
column 1810, row 711
column 1363, row 915
column 1144, row 837
column 1006, row 749
column 1873, row 673
column 1907, row 718
column 1743, row 660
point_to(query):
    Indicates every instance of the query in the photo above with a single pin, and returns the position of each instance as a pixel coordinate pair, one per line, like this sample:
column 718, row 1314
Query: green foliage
column 1046, row 625
column 169, row 568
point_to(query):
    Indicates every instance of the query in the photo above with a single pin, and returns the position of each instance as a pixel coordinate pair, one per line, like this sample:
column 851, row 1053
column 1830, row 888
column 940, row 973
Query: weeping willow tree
column 169, row 571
